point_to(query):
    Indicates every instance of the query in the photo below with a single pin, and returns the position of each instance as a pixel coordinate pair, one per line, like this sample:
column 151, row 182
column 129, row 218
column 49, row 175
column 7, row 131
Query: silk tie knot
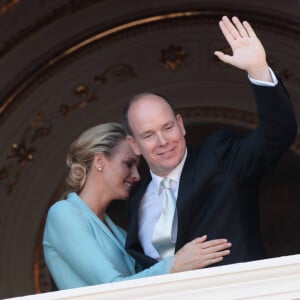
column 166, row 183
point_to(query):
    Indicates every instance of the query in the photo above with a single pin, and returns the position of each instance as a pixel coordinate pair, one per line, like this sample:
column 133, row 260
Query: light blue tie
column 162, row 234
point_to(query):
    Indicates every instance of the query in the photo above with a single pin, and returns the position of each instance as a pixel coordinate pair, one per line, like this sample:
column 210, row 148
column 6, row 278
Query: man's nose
column 161, row 139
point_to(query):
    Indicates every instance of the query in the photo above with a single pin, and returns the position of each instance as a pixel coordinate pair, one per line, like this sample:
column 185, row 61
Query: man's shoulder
column 214, row 149
column 220, row 137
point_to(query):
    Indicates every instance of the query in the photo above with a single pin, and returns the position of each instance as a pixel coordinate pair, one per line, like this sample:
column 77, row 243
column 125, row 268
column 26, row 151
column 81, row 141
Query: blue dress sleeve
column 76, row 257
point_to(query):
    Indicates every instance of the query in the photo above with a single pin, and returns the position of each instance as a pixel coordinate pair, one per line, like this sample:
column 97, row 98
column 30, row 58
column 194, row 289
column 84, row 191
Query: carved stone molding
column 5, row 7
column 21, row 153
column 220, row 115
column 205, row 16
column 87, row 75
column 173, row 57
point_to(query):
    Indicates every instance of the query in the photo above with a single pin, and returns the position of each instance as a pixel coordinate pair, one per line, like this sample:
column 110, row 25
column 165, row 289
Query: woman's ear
column 98, row 162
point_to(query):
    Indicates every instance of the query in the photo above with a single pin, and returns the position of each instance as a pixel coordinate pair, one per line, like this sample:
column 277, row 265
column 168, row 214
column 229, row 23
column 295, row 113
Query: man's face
column 157, row 134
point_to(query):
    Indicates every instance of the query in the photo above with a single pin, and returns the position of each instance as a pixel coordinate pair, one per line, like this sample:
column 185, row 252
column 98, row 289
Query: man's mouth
column 167, row 152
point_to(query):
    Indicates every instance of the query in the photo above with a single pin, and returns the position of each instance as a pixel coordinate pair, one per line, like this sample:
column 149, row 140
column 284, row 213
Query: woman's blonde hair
column 102, row 138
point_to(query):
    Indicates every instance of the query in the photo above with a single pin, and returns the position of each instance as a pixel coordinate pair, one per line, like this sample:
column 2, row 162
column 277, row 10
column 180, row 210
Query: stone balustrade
column 275, row 278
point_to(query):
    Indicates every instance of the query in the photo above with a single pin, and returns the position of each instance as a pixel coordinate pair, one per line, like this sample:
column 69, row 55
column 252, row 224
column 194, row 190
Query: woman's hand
column 200, row 253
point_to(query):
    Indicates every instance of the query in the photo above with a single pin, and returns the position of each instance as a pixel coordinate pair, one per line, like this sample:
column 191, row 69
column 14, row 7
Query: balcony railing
column 275, row 278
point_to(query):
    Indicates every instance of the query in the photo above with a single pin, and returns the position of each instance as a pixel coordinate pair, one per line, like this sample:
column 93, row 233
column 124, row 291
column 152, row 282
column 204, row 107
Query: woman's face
column 120, row 171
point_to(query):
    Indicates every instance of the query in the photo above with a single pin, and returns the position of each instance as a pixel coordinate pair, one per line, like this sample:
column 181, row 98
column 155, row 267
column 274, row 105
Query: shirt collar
column 174, row 175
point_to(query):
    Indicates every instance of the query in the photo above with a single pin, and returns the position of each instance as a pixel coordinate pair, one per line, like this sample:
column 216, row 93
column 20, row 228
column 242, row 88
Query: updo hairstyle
column 102, row 138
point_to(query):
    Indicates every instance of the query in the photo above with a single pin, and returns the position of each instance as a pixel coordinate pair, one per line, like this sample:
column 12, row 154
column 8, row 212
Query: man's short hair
column 135, row 99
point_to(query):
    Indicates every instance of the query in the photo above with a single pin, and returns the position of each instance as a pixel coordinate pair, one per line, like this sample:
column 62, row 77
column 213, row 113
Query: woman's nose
column 135, row 174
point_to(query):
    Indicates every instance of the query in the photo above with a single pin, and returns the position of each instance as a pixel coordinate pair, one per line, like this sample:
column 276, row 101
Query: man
column 215, row 185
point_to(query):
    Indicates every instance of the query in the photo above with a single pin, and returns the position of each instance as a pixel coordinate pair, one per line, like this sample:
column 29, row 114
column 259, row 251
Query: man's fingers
column 228, row 36
column 223, row 57
column 240, row 27
column 249, row 29
column 229, row 27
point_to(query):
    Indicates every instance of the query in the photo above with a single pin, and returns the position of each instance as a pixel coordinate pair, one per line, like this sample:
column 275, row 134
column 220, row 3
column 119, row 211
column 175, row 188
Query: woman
column 82, row 245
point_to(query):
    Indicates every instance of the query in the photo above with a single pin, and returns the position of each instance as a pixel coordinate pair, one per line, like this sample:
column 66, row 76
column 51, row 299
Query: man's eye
column 147, row 136
column 169, row 126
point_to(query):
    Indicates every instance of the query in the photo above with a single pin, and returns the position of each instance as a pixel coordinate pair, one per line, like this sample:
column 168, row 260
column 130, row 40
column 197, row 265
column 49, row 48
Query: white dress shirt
column 265, row 83
column 151, row 204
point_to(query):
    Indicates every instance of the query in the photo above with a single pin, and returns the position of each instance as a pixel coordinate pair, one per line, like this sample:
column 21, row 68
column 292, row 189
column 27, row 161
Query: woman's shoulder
column 62, row 208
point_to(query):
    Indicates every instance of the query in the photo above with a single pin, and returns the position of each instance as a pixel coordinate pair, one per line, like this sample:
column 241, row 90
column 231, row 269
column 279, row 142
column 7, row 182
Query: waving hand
column 248, row 52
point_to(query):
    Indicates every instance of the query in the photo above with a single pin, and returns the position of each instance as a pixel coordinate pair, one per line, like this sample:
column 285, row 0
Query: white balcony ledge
column 276, row 278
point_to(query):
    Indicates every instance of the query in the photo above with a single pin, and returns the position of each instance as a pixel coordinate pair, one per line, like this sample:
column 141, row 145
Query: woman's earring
column 100, row 169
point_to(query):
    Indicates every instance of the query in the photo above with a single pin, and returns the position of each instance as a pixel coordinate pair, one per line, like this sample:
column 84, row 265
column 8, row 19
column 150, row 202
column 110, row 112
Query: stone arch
column 76, row 66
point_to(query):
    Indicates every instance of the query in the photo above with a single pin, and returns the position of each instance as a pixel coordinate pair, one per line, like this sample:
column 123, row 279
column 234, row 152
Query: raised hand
column 200, row 253
column 248, row 52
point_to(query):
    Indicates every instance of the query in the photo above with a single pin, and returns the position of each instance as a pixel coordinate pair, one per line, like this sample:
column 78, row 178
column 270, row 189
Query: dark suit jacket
column 218, row 190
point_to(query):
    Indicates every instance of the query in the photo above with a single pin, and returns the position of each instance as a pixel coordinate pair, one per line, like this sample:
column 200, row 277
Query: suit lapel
column 186, row 179
column 133, row 245
column 132, row 237
column 185, row 191
column 186, row 186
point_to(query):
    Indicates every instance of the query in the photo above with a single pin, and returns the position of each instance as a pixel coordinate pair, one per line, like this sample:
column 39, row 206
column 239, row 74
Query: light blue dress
column 80, row 250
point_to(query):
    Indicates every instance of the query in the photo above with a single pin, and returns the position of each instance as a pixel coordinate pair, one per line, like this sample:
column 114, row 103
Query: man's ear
column 133, row 144
column 180, row 123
